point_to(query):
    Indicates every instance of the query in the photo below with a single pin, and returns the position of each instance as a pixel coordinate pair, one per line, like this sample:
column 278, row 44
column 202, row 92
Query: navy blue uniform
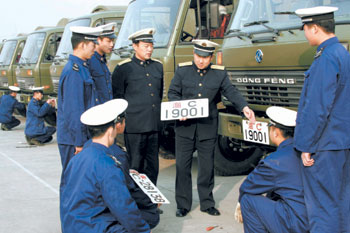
column 95, row 197
column 76, row 94
column 141, row 84
column 148, row 210
column 35, row 124
column 189, row 82
column 278, row 176
column 323, row 129
column 8, row 104
column 101, row 76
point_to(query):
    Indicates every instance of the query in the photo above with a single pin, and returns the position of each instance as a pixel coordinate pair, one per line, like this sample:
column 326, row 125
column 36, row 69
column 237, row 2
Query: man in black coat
column 139, row 80
column 195, row 80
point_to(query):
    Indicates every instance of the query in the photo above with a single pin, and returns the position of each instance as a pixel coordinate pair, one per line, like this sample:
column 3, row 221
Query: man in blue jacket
column 76, row 94
column 95, row 196
column 98, row 63
column 323, row 125
column 8, row 103
column 279, row 177
column 35, row 131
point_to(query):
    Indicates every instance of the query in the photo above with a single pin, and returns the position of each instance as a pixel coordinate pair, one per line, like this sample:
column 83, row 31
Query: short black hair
column 327, row 24
column 287, row 133
column 96, row 131
column 77, row 40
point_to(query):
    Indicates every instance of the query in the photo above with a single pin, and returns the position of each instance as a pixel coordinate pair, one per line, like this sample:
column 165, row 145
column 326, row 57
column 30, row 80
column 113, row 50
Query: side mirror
column 214, row 15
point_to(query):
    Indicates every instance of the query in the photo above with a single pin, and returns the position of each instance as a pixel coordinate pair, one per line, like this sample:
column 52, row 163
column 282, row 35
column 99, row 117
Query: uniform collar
column 203, row 71
column 101, row 58
column 285, row 143
column 77, row 60
column 140, row 62
column 99, row 147
column 330, row 41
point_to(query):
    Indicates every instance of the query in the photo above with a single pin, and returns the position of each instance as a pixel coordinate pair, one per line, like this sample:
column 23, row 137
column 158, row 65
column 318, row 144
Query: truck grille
column 273, row 88
column 55, row 81
column 26, row 83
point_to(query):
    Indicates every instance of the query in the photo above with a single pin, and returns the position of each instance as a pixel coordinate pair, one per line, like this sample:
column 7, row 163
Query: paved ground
column 29, row 183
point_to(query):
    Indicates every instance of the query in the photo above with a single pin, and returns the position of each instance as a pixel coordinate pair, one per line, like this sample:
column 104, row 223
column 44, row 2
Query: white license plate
column 149, row 188
column 194, row 108
column 258, row 132
column 18, row 97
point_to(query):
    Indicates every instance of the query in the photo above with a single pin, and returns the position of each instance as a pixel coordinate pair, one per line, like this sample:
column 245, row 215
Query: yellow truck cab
column 99, row 15
column 266, row 55
column 9, row 58
column 177, row 22
column 33, row 68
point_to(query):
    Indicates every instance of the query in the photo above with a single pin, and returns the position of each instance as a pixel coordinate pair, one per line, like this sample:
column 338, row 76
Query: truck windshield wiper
column 124, row 51
column 239, row 33
column 284, row 13
column 263, row 23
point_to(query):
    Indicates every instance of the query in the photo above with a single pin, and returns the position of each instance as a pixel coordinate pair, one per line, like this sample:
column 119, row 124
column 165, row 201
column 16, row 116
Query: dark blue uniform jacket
column 280, row 173
column 189, row 82
column 7, row 105
column 141, row 84
column 323, row 121
column 35, row 123
column 76, row 94
column 102, row 77
column 95, row 197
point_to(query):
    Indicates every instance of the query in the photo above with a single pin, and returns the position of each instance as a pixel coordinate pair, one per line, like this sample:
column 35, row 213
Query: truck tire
column 228, row 162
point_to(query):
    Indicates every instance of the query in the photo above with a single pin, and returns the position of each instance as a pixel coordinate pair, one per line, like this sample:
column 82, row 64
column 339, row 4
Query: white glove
column 238, row 213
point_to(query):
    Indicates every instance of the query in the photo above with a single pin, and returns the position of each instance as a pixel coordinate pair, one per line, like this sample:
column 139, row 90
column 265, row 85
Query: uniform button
column 147, row 74
column 152, row 94
column 198, row 71
column 141, row 63
column 153, row 106
column 96, row 99
column 199, row 95
column 204, row 71
column 150, row 84
column 200, row 84
column 201, row 74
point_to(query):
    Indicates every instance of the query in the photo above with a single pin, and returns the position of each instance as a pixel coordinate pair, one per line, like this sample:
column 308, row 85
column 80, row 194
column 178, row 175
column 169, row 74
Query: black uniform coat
column 141, row 84
column 189, row 82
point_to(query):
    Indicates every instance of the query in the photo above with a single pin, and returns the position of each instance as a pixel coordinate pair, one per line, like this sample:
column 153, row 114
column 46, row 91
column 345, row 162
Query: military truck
column 33, row 68
column 177, row 23
column 9, row 58
column 1, row 44
column 99, row 15
column 266, row 55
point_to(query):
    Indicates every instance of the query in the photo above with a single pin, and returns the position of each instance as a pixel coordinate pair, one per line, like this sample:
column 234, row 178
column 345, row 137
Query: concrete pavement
column 29, row 184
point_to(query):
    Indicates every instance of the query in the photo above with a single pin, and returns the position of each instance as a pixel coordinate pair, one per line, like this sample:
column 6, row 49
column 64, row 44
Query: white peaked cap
column 282, row 116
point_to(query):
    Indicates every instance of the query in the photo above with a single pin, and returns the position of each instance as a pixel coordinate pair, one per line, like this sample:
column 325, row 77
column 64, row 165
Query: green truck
column 176, row 22
column 33, row 69
column 9, row 58
column 266, row 55
column 99, row 15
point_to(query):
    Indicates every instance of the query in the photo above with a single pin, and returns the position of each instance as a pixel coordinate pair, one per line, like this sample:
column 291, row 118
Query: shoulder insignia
column 75, row 67
column 114, row 159
column 189, row 63
column 124, row 61
column 157, row 60
column 217, row 67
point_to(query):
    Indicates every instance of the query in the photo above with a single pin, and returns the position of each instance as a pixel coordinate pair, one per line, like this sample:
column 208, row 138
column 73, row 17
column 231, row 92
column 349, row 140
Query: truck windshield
column 158, row 14
column 65, row 47
column 31, row 51
column 7, row 52
column 259, row 15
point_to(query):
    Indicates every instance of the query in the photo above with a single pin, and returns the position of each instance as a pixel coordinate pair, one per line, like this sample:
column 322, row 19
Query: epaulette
column 115, row 160
column 217, row 67
column 189, row 63
column 75, row 67
column 156, row 60
column 124, row 61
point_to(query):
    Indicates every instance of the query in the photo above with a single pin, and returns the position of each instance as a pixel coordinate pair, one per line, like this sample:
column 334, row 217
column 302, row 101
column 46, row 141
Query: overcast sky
column 23, row 16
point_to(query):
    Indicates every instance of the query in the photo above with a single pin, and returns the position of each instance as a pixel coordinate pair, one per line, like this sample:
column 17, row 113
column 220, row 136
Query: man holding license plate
column 199, row 79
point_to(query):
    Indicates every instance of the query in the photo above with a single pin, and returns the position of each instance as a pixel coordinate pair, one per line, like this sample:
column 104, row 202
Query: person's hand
column 307, row 160
column 78, row 149
column 133, row 171
column 238, row 213
column 51, row 102
column 249, row 114
column 183, row 119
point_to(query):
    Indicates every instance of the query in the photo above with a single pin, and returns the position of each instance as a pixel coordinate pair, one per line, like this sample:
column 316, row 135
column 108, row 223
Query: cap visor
column 202, row 53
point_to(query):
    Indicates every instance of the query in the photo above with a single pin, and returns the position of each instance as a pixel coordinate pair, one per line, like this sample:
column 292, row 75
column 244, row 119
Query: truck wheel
column 233, row 159
column 167, row 142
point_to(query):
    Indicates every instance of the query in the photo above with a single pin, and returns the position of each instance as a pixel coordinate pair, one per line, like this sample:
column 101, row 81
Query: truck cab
column 9, row 58
column 33, row 69
column 266, row 55
column 100, row 15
